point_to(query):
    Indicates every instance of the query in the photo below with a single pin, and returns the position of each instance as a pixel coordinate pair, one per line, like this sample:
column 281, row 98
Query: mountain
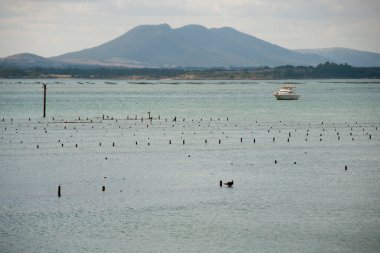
column 192, row 46
column 30, row 60
column 352, row 57
column 188, row 46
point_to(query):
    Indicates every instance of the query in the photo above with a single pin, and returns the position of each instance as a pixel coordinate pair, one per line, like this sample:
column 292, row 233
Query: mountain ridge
column 28, row 60
column 357, row 58
column 160, row 46
column 192, row 46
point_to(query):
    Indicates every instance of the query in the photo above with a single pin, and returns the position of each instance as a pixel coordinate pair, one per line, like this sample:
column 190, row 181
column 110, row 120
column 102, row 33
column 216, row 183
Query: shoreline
column 321, row 71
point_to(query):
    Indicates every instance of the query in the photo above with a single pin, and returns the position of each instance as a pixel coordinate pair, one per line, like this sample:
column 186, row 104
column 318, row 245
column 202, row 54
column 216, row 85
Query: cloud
column 52, row 27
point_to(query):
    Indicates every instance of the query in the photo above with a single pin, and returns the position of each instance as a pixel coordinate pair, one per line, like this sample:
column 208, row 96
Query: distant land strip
column 322, row 71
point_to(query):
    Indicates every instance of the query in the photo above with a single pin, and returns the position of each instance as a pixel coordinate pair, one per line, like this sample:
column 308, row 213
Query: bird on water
column 229, row 184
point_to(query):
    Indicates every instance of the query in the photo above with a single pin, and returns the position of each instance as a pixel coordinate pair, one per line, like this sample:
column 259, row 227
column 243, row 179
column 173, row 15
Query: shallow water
column 163, row 197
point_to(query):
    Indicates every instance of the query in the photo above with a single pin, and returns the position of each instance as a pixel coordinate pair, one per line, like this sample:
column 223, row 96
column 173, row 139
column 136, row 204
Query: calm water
column 163, row 197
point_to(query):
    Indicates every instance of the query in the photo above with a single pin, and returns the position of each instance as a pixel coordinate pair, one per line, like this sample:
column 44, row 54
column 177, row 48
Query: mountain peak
column 192, row 27
column 163, row 26
column 191, row 46
column 194, row 46
column 352, row 57
column 29, row 60
column 24, row 56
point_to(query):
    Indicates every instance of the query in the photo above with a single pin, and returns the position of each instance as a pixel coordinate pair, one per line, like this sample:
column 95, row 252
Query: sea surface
column 287, row 160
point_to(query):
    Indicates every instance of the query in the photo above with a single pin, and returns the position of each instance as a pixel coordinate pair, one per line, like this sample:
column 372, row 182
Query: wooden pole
column 44, row 85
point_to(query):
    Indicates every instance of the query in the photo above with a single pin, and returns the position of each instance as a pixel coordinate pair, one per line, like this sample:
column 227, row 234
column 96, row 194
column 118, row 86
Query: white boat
column 286, row 92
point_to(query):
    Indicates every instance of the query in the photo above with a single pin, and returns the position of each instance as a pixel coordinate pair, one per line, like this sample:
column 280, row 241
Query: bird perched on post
column 229, row 184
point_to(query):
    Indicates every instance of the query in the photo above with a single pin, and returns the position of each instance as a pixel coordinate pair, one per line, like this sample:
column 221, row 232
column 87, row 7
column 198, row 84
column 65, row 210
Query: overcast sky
column 54, row 27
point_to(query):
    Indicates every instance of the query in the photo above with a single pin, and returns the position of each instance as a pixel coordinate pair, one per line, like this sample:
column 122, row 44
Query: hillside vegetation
column 326, row 70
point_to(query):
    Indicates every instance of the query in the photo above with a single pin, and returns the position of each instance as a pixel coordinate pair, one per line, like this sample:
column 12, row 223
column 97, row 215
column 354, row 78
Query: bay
column 291, row 191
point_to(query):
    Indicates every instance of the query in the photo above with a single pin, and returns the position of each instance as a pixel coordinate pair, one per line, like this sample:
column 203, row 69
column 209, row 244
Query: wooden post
column 59, row 191
column 44, row 86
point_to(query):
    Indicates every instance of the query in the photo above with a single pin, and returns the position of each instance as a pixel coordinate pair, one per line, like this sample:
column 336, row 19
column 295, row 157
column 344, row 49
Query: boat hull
column 287, row 96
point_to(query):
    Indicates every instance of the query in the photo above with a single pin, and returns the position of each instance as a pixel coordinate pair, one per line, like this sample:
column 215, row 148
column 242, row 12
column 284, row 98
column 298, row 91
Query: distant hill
column 352, row 57
column 160, row 46
column 30, row 60
column 189, row 46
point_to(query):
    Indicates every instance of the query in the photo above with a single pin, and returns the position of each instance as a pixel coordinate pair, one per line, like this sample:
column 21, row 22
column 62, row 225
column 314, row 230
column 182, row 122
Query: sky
column 53, row 27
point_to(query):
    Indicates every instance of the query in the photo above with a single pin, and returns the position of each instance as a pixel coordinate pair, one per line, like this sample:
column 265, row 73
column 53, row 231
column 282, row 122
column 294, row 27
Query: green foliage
column 325, row 70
